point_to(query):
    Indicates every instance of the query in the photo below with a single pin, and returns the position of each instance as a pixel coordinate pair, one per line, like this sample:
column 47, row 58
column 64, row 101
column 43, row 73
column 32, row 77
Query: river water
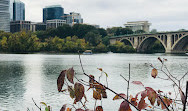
column 27, row 76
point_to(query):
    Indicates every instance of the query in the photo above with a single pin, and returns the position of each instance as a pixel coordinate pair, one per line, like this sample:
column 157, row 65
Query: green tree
column 93, row 38
column 101, row 48
column 4, row 44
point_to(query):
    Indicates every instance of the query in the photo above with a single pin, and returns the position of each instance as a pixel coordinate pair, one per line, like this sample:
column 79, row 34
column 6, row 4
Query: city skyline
column 165, row 15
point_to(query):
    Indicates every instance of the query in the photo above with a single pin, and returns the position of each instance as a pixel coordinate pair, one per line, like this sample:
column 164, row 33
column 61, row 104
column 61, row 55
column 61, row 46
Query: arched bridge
column 173, row 42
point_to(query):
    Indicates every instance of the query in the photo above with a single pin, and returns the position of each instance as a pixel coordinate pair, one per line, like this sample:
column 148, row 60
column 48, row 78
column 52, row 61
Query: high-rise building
column 17, row 26
column 138, row 25
column 73, row 18
column 4, row 15
column 52, row 12
column 18, row 10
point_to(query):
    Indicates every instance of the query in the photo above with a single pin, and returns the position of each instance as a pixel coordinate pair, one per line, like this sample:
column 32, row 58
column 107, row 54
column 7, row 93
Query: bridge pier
column 169, row 44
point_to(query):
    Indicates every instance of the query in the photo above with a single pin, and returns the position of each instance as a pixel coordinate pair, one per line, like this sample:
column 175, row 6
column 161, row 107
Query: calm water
column 27, row 76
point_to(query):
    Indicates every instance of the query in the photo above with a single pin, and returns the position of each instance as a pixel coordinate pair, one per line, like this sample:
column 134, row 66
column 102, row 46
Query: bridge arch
column 145, row 43
column 128, row 41
column 181, row 44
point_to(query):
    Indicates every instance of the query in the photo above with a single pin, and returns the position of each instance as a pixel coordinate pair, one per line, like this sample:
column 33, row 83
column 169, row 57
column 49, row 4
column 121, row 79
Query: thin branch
column 36, row 105
column 106, row 87
column 124, row 78
column 183, row 76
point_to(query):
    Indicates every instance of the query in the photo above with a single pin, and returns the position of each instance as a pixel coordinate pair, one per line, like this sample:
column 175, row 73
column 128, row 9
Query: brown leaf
column 152, row 95
column 142, row 104
column 125, row 106
column 69, row 109
column 182, row 96
column 154, row 73
column 63, row 107
column 166, row 101
column 118, row 97
column 71, row 92
column 99, row 88
column 88, row 110
column 60, row 80
column 70, row 75
column 96, row 95
column 91, row 81
column 79, row 109
column 158, row 101
column 99, row 69
column 99, row 108
column 137, row 83
column 133, row 101
column 79, row 91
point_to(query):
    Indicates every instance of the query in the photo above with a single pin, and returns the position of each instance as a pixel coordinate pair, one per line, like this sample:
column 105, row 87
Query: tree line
column 65, row 39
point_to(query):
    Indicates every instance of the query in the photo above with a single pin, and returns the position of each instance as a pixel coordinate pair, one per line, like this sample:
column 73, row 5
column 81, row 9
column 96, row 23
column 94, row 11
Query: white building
column 138, row 25
column 55, row 23
column 73, row 18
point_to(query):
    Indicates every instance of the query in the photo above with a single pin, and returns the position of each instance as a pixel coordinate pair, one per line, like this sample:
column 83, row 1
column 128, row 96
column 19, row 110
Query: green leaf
column 43, row 103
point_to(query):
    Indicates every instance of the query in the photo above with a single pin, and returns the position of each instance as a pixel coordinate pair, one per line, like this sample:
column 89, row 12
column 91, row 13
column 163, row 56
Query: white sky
column 165, row 15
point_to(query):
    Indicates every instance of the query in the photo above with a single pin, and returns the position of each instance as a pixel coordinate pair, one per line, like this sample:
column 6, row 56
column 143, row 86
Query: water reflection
column 33, row 79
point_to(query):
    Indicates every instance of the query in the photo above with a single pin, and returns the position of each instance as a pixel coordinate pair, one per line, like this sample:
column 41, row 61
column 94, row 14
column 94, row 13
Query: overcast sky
column 165, row 15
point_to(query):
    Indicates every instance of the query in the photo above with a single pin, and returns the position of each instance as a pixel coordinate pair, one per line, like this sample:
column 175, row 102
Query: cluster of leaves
column 78, row 91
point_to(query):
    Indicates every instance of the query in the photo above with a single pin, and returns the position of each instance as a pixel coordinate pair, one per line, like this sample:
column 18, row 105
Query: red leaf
column 154, row 73
column 125, row 106
column 143, row 94
column 79, row 92
column 152, row 95
column 63, row 108
column 99, row 108
column 118, row 97
column 137, row 83
column 182, row 96
column 70, row 75
column 60, row 80
column 142, row 104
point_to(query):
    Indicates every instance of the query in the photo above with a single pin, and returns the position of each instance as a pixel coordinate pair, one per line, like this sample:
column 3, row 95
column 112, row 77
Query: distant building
column 73, row 18
column 138, row 25
column 4, row 16
column 18, row 10
column 55, row 23
column 38, row 27
column 52, row 12
column 17, row 26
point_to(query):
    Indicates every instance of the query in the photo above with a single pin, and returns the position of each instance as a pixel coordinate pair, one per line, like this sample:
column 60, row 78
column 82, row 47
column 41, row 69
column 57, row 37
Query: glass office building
column 18, row 10
column 4, row 15
column 52, row 12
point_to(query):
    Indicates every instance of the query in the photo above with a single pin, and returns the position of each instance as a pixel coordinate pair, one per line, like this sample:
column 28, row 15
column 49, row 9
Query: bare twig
column 184, row 106
column 36, row 105
column 183, row 76
column 128, row 81
column 124, row 78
